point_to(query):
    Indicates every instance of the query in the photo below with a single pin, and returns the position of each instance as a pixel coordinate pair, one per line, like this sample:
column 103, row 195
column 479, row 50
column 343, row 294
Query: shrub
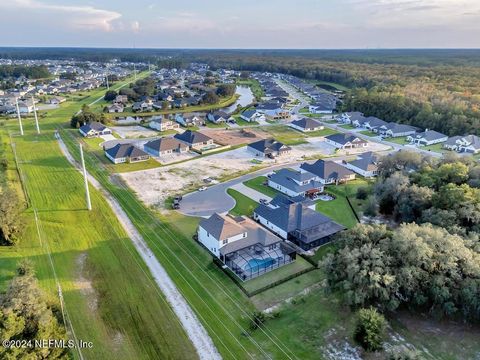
column 258, row 318
column 370, row 329
column 362, row 193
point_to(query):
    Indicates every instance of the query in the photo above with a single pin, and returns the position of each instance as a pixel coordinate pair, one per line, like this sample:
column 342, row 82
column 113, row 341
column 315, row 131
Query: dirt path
column 194, row 329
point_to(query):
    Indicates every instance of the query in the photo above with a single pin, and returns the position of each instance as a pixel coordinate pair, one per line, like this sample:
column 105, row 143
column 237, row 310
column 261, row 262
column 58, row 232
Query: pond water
column 246, row 98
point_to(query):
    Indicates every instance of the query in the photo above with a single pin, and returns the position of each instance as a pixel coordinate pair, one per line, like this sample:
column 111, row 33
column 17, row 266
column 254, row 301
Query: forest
column 30, row 72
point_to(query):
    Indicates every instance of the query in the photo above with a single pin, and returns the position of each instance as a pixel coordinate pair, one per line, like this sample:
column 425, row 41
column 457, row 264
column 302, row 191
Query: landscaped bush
column 370, row 329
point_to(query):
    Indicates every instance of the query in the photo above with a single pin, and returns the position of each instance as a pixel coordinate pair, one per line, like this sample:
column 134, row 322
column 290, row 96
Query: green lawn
column 109, row 294
column 287, row 289
column 257, row 184
column 399, row 140
column 241, row 122
column 435, row 148
column 285, row 134
column 332, row 84
column 322, row 252
column 244, row 205
column 324, row 132
column 368, row 133
column 300, row 264
column 338, row 210
column 348, row 127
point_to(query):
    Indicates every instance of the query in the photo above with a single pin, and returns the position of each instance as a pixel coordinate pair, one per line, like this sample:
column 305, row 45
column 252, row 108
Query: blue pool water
column 255, row 265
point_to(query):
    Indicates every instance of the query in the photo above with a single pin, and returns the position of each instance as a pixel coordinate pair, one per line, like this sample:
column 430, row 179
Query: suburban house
column 396, row 130
column 56, row 100
column 245, row 247
column 323, row 107
column 366, row 165
column 163, row 124
column 345, row 141
column 121, row 99
column 94, row 129
column 295, row 183
column 372, row 123
column 350, row 117
column 273, row 111
column 426, row 138
column 268, row 148
column 218, row 117
column 122, row 153
column 195, row 139
column 142, row 106
column 306, row 125
column 294, row 221
column 252, row 115
column 190, row 120
column 115, row 108
column 328, row 172
column 165, row 146
column 464, row 144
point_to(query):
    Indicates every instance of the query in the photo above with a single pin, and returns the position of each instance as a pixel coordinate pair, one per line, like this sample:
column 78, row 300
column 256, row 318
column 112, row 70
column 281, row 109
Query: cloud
column 135, row 26
column 81, row 17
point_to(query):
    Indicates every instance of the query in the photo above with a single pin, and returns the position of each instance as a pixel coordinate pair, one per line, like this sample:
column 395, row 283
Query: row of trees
column 27, row 313
column 31, row 72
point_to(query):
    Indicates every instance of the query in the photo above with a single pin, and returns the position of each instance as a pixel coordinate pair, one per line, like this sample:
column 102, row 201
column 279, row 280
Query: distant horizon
column 251, row 24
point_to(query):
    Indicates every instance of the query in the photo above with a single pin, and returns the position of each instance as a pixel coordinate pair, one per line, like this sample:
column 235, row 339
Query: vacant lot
column 232, row 136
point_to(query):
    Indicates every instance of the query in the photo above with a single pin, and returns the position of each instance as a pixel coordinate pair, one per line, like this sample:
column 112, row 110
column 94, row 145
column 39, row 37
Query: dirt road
column 194, row 329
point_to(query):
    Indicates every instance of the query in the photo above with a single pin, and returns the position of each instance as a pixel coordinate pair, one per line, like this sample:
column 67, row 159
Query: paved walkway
column 251, row 193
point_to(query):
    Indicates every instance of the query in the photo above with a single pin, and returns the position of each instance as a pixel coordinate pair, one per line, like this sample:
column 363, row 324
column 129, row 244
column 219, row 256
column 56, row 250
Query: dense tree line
column 417, row 266
column 442, row 192
column 11, row 223
column 27, row 313
column 30, row 72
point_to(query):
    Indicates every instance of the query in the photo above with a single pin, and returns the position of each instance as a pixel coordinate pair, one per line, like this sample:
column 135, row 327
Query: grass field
column 368, row 133
column 129, row 322
column 258, row 184
column 324, row 132
column 260, row 282
column 399, row 140
column 244, row 205
column 348, row 127
column 285, row 134
column 110, row 297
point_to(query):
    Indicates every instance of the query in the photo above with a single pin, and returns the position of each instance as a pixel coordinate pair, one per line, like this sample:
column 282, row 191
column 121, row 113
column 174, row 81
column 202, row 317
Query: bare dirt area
column 84, row 285
column 129, row 132
column 232, row 136
column 154, row 186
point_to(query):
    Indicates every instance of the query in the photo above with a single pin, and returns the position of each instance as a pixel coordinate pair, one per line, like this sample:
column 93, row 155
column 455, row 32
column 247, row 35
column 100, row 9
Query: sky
column 312, row 24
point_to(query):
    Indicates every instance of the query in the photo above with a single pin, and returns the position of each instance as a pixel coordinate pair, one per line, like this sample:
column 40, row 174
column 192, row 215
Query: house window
column 225, row 241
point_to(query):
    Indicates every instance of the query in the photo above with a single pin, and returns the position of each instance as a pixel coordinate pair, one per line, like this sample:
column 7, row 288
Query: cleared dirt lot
column 132, row 132
column 232, row 136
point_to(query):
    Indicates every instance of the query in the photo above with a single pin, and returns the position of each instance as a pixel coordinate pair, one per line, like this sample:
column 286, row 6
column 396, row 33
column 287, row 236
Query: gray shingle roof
column 269, row 145
column 164, row 144
column 192, row 137
column 341, row 138
column 326, row 169
column 285, row 178
column 295, row 216
column 125, row 150
column 307, row 123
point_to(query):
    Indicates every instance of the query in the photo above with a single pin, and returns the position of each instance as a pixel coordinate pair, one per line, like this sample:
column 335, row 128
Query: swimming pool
column 255, row 265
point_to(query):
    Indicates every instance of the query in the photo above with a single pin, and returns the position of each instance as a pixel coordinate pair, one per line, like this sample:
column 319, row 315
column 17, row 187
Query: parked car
column 178, row 198
column 263, row 201
column 203, row 188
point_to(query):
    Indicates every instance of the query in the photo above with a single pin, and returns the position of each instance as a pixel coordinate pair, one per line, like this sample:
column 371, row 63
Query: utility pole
column 36, row 117
column 108, row 87
column 87, row 192
column 19, row 117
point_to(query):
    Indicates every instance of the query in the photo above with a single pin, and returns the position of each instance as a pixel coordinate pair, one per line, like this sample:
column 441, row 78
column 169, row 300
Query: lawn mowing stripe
column 87, row 158
column 155, row 220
